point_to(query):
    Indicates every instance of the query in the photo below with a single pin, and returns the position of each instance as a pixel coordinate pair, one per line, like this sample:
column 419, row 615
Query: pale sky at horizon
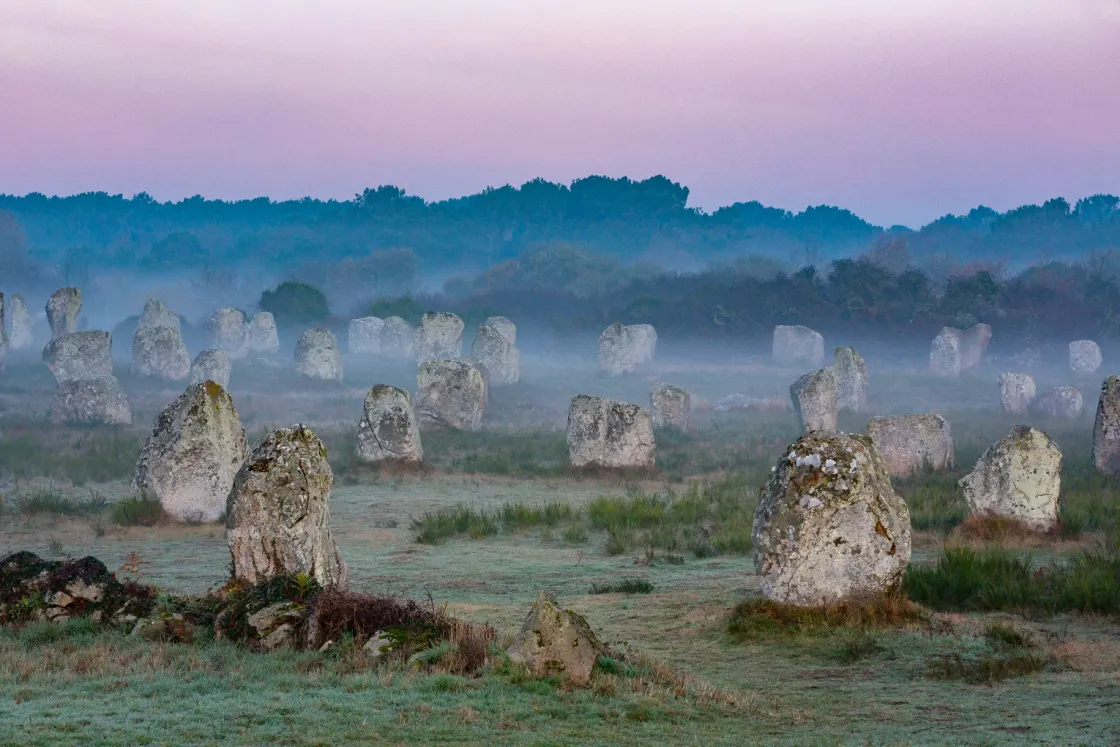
column 899, row 111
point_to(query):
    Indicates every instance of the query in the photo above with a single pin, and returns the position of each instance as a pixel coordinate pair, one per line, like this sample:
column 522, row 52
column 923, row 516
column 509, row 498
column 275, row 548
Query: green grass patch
column 760, row 619
column 141, row 510
column 52, row 501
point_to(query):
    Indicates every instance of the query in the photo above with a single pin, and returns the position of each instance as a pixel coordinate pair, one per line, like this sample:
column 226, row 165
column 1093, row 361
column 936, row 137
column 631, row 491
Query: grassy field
column 659, row 563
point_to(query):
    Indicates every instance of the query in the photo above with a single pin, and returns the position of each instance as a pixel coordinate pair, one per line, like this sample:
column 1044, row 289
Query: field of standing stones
column 411, row 535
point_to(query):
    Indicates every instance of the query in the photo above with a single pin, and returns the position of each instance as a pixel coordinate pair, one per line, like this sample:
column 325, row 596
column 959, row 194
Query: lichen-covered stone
column 851, row 380
column 398, row 339
column 451, row 394
column 160, row 351
column 439, row 337
column 229, row 332
column 212, row 365
column 974, row 342
column 623, row 349
column 829, row 527
column 556, row 642
column 1016, row 392
column 80, row 355
column 1060, row 402
column 62, row 311
column 1084, row 356
column 813, row 396
column 20, row 322
column 504, row 326
column 277, row 516
column 670, row 407
column 501, row 359
column 317, row 355
column 608, row 433
column 1019, row 477
column 1106, row 428
column 363, row 336
column 388, row 429
column 156, row 314
column 263, row 337
column 98, row 400
column 195, row 450
column 794, row 345
column 945, row 354
column 910, row 443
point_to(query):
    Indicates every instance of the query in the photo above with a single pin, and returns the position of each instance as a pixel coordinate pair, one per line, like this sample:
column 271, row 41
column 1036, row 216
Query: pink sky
column 900, row 111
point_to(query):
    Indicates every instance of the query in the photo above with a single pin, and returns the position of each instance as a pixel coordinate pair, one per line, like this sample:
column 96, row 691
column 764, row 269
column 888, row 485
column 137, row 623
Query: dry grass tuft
column 759, row 618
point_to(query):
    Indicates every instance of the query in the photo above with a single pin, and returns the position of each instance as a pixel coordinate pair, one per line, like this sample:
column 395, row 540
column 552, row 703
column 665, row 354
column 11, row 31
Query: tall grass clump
column 52, row 501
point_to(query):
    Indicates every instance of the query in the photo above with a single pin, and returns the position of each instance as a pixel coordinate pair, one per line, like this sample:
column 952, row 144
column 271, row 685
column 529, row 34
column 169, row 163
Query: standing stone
column 229, row 332
column 623, row 348
column 851, row 380
column 160, row 351
column 439, row 337
column 670, row 407
column 451, row 394
column 974, row 342
column 1016, row 392
column 22, row 326
column 644, row 338
column 155, row 314
column 398, row 339
column 797, row 345
column 97, row 400
column 1084, row 356
column 364, row 335
column 501, row 359
column 80, row 355
column 62, row 311
column 608, row 433
column 555, row 642
column 1019, row 477
column 3, row 336
column 190, row 460
column 212, row 365
column 263, row 337
column 829, row 527
column 277, row 517
column 945, row 354
column 504, row 326
column 1106, row 428
column 1061, row 402
column 814, row 400
column 388, row 430
column 909, row 443
column 318, row 356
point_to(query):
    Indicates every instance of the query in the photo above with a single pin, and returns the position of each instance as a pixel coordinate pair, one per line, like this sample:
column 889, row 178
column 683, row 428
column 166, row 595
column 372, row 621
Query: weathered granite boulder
column 98, row 400
column 909, row 443
column 195, row 450
column 1016, row 392
column 945, row 354
column 556, row 642
column 501, row 359
column 670, row 407
column 1060, row 402
column 1019, row 477
column 388, row 429
column 155, row 314
column 829, row 527
column 451, row 394
column 62, row 311
column 212, row 365
column 504, row 326
column 814, row 396
column 851, row 380
column 624, row 348
column 20, row 323
column 263, row 337
column 80, row 355
column 1084, row 356
column 796, row 345
column 160, row 351
column 439, row 337
column 398, row 339
column 363, row 335
column 974, row 342
column 277, row 516
column 229, row 332
column 1106, row 428
column 318, row 356
column 608, row 433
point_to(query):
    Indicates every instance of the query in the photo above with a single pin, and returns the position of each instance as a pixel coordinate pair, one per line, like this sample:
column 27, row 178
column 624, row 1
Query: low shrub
column 625, row 586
